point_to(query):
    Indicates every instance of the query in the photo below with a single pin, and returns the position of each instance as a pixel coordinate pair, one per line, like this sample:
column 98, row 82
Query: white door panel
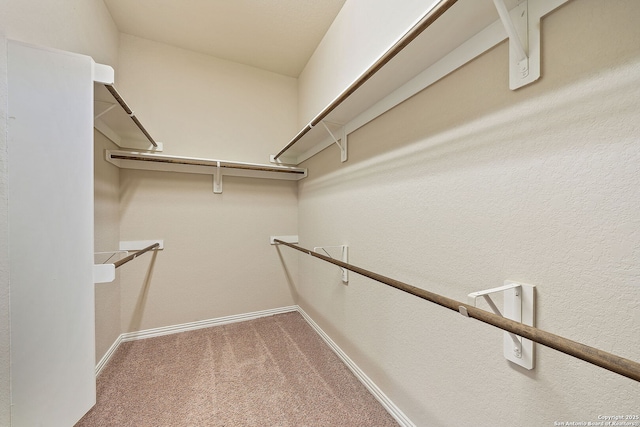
column 50, row 163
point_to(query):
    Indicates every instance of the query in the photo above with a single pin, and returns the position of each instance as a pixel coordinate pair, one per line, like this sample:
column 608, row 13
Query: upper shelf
column 450, row 34
column 117, row 121
column 217, row 168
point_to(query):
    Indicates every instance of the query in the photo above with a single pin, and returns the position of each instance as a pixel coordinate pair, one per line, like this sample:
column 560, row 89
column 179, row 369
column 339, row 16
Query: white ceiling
column 275, row 35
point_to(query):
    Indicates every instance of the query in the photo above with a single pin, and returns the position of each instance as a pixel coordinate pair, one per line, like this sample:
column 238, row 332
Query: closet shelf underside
column 438, row 44
column 117, row 121
column 166, row 163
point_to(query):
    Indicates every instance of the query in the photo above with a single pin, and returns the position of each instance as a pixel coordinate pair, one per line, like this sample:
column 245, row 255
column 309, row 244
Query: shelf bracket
column 343, row 139
column 217, row 179
column 344, row 257
column 518, row 306
column 105, row 272
column 103, row 74
column 293, row 238
column 523, row 30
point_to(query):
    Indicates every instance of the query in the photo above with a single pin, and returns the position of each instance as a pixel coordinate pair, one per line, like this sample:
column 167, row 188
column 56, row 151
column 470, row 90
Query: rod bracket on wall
column 523, row 30
column 343, row 138
column 105, row 271
column 597, row 357
column 344, row 257
column 289, row 239
column 217, row 179
column 519, row 300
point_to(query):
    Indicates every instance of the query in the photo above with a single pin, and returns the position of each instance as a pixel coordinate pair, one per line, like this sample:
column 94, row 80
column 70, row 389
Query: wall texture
column 107, row 239
column 5, row 334
column 360, row 34
column 217, row 259
column 459, row 188
column 202, row 106
column 75, row 25
column 468, row 184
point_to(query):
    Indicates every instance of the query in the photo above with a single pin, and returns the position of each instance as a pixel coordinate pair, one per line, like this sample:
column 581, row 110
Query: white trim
column 107, row 356
column 192, row 326
column 185, row 327
column 388, row 405
column 391, row 407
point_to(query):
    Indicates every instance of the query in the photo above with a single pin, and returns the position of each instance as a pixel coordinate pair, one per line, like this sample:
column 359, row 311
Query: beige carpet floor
column 272, row 371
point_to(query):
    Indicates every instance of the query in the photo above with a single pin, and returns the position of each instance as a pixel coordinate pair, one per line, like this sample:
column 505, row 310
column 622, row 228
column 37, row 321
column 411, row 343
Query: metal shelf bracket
column 344, row 257
column 343, row 138
column 519, row 305
column 523, row 29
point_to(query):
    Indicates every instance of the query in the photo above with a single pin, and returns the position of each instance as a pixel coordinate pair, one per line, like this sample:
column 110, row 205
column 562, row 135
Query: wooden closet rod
column 611, row 362
column 135, row 254
column 130, row 112
column 426, row 21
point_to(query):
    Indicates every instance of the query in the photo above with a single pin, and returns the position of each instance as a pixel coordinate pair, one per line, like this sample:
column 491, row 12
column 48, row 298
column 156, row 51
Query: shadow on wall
column 548, row 122
column 290, row 282
column 136, row 319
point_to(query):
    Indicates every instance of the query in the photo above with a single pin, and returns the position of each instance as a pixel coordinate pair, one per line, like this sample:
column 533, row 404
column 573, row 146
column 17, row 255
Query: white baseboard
column 107, row 356
column 393, row 410
column 185, row 327
column 192, row 326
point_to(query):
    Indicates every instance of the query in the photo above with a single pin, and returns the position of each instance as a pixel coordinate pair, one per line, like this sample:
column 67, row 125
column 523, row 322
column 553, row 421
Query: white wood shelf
column 113, row 121
column 214, row 167
column 465, row 31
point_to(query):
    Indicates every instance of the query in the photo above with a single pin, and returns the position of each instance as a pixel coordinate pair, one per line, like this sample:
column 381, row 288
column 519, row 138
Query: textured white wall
column 107, row 238
column 5, row 335
column 75, row 25
column 80, row 26
column 468, row 184
column 202, row 106
column 217, row 259
column 360, row 34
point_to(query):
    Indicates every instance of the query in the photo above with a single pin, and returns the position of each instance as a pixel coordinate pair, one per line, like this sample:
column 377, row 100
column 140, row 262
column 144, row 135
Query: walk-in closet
column 319, row 213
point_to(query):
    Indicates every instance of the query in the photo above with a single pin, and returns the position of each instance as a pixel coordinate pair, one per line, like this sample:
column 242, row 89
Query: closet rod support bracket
column 103, row 74
column 519, row 300
column 344, row 257
column 289, row 239
column 343, row 139
column 522, row 25
column 217, row 179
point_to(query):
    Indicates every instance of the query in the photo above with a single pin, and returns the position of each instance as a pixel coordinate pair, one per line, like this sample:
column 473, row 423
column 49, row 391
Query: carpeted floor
column 272, row 371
